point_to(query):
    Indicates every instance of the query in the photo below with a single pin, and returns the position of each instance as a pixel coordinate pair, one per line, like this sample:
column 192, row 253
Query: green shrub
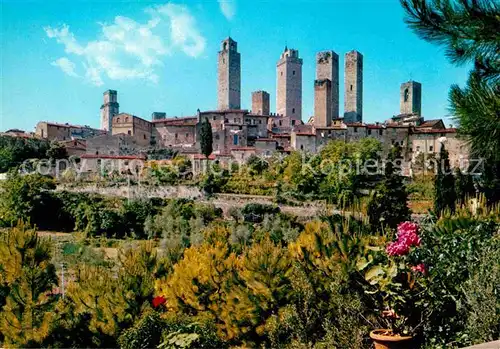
column 255, row 212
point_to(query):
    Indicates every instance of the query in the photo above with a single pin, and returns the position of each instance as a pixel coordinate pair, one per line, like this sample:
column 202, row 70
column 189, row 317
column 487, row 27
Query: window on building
column 302, row 147
column 176, row 136
column 260, row 122
column 217, row 136
column 281, row 73
column 281, row 122
column 351, row 87
column 235, row 140
column 214, row 117
column 187, row 135
column 293, row 73
column 126, row 119
column 129, row 132
column 369, row 132
column 293, row 122
column 418, row 148
column 355, row 129
column 293, row 110
column 380, row 132
column 406, row 93
column 431, row 148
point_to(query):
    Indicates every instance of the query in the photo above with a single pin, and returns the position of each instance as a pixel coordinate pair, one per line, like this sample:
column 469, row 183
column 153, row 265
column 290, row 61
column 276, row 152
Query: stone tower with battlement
column 289, row 84
column 229, row 76
column 109, row 109
column 260, row 103
column 353, row 83
column 327, row 67
column 411, row 98
column 323, row 103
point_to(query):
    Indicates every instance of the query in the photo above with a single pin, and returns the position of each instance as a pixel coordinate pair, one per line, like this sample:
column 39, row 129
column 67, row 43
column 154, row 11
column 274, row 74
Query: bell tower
column 109, row 109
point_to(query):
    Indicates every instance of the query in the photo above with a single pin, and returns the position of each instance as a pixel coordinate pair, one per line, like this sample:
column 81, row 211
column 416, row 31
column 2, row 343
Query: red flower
column 419, row 268
column 159, row 300
column 407, row 237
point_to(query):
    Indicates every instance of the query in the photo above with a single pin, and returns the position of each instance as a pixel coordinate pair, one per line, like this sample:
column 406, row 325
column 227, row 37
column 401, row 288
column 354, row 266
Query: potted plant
column 394, row 282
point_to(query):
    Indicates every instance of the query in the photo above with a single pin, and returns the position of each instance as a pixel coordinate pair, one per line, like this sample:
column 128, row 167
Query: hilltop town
column 239, row 134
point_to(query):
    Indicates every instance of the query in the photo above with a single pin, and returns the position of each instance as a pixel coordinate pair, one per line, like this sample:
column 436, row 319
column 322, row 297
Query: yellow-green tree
column 27, row 277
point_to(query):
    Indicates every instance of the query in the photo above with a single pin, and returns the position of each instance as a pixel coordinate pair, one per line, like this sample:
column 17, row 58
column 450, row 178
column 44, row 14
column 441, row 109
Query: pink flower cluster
column 407, row 237
column 419, row 268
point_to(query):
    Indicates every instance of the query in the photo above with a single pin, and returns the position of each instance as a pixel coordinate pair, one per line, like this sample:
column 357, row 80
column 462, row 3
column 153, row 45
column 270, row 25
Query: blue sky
column 59, row 57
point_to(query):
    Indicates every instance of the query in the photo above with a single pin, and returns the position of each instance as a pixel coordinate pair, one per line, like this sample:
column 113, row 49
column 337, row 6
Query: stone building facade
column 62, row 132
column 229, row 76
column 140, row 129
column 289, row 84
column 353, row 87
column 327, row 67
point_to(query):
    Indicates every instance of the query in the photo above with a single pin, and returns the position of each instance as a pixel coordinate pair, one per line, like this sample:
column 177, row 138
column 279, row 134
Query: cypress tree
column 388, row 205
column 444, row 184
column 206, row 141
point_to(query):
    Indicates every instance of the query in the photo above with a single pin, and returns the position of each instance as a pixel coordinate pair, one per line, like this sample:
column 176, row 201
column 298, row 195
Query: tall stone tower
column 327, row 67
column 353, row 81
column 411, row 98
column 109, row 109
column 229, row 76
column 289, row 84
column 260, row 103
column 323, row 103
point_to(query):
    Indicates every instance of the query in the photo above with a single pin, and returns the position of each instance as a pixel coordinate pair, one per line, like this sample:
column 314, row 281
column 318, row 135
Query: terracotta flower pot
column 386, row 339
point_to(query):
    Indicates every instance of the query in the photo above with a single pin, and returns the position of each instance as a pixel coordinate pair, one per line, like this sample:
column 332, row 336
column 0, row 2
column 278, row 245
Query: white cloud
column 228, row 8
column 66, row 66
column 127, row 49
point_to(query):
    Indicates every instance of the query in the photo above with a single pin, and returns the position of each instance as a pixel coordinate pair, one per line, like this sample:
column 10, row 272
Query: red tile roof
column 243, row 148
column 445, row 130
column 184, row 121
column 265, row 140
column 116, row 157
column 203, row 157
column 430, row 123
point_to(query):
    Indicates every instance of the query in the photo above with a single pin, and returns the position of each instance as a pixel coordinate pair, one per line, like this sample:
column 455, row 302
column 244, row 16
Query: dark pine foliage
column 470, row 32
column 389, row 203
column 444, row 185
column 206, row 141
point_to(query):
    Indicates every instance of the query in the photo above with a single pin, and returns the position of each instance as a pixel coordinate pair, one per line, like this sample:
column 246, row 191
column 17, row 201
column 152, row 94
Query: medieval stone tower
column 289, row 84
column 229, row 76
column 322, row 103
column 411, row 98
column 353, row 83
column 109, row 109
column 260, row 103
column 327, row 67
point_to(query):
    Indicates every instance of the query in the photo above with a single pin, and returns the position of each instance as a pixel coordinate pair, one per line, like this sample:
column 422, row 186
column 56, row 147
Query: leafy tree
column 15, row 150
column 469, row 31
column 388, row 205
column 257, row 164
column 29, row 277
column 206, row 140
column 23, row 197
column 444, row 185
column 57, row 151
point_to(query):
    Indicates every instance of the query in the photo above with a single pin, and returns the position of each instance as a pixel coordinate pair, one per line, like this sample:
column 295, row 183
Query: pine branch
column 468, row 29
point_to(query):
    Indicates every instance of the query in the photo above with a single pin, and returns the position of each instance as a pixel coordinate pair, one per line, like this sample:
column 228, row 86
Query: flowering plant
column 396, row 282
